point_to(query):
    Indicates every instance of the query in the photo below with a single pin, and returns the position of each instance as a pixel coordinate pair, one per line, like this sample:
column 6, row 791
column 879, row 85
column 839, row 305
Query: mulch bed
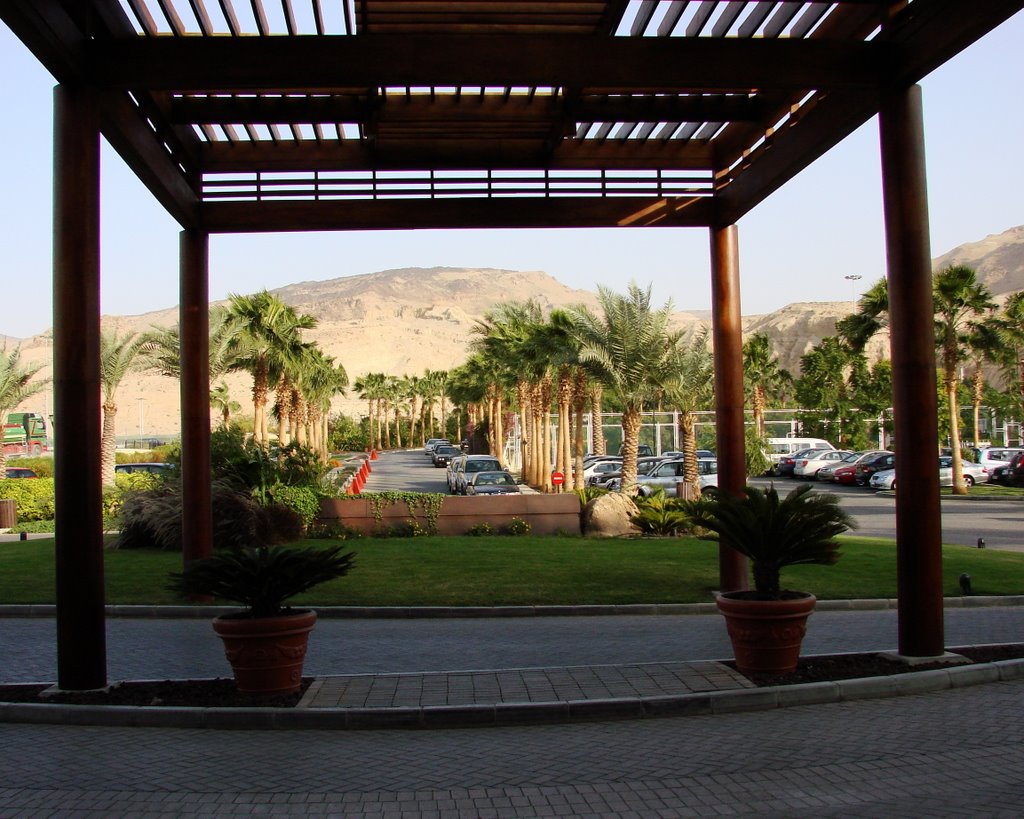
column 221, row 693
column 852, row 666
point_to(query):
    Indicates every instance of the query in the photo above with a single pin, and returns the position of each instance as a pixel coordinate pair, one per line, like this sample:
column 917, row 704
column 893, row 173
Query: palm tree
column 871, row 317
column 117, row 358
column 163, row 347
column 270, row 332
column 631, row 350
column 16, row 385
column 690, row 389
column 959, row 300
column 369, row 387
column 764, row 378
column 1009, row 328
column 823, row 384
column 221, row 400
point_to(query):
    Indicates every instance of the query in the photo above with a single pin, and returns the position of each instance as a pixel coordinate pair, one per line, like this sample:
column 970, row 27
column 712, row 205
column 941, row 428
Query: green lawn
column 437, row 571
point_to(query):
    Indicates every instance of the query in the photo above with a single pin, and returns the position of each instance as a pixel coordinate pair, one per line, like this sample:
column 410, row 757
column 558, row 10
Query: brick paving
column 521, row 685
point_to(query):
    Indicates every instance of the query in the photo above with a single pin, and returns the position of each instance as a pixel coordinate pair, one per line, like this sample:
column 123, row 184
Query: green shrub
column 42, row 465
column 588, row 493
column 481, row 530
column 660, row 515
column 302, row 500
column 34, row 497
column 518, row 526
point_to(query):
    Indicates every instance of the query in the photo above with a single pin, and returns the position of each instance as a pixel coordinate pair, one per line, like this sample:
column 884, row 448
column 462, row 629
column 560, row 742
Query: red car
column 845, row 475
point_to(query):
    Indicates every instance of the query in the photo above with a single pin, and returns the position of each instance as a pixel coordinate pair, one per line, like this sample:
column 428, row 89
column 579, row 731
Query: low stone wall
column 546, row 514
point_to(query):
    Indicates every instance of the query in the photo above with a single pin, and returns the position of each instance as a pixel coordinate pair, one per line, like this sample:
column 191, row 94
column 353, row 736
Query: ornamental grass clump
column 774, row 533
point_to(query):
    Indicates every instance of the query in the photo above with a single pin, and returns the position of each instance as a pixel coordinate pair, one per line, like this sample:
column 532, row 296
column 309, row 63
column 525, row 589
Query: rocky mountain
column 408, row 320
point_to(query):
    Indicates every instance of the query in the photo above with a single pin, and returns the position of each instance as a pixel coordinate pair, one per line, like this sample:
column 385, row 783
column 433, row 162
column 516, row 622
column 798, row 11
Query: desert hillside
column 408, row 320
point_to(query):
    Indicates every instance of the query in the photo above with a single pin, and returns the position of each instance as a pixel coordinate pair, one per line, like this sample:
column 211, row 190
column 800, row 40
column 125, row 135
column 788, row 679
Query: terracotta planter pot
column 766, row 634
column 266, row 653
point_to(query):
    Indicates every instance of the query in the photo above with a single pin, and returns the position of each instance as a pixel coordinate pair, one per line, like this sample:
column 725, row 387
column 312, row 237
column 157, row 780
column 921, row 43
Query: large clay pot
column 266, row 653
column 766, row 634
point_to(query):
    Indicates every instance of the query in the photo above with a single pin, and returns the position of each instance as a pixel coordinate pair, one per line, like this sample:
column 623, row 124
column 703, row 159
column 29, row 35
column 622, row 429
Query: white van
column 779, row 448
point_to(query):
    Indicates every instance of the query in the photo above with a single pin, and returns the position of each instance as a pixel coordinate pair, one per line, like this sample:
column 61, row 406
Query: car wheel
column 893, row 487
column 709, row 492
column 968, row 481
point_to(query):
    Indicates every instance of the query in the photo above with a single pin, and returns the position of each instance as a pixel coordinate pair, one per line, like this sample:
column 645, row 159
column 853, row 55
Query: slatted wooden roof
column 271, row 115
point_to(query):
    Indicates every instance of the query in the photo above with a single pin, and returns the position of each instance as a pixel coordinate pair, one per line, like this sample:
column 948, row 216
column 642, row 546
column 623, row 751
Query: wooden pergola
column 338, row 115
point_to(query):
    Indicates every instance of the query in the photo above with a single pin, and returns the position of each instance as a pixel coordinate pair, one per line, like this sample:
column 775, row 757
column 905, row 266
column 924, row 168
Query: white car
column 808, row 466
column 973, row 473
column 668, row 474
column 993, row 456
column 598, row 468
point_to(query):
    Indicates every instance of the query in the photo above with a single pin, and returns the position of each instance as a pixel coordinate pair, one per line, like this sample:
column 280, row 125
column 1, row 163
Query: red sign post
column 557, row 479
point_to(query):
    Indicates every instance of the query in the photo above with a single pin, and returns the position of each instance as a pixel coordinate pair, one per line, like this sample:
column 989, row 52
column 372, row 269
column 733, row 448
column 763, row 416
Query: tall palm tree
column 691, row 388
column 1009, row 327
column 221, row 400
column 163, row 347
column 16, row 385
column 959, row 300
column 369, row 387
column 823, row 384
column 631, row 350
column 118, row 356
column 764, row 377
column 270, row 333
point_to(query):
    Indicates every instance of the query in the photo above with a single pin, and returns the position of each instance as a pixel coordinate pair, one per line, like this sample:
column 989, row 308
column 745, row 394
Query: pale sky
column 796, row 246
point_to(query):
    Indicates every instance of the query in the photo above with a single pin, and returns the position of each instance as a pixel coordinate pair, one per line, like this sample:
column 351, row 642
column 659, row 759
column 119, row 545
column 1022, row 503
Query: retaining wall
column 546, row 514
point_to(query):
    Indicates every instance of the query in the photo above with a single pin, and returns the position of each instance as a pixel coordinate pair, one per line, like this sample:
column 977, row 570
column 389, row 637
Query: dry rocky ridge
column 404, row 321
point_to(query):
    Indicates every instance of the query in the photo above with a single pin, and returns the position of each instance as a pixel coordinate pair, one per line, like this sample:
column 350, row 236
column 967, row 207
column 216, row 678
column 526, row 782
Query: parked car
column 453, row 467
column 780, row 447
column 606, row 479
column 845, row 471
column 642, row 450
column 869, row 466
column 19, row 472
column 675, row 453
column 601, row 468
column 973, row 473
column 669, row 473
column 428, row 447
column 808, row 465
column 471, row 465
column 151, row 468
column 786, row 464
column 1012, row 474
column 443, row 453
column 992, row 457
column 491, row 483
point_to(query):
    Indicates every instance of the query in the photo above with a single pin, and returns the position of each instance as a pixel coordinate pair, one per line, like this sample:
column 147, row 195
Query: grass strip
column 487, row 571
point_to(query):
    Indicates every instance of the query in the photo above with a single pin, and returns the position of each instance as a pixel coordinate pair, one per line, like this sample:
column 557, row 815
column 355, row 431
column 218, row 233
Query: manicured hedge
column 33, row 495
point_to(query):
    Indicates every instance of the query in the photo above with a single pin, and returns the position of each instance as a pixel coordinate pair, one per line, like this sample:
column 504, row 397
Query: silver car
column 666, row 475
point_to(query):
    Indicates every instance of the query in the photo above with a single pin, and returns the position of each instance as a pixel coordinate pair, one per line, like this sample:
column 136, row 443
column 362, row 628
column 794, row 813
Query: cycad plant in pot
column 767, row 624
column 266, row 643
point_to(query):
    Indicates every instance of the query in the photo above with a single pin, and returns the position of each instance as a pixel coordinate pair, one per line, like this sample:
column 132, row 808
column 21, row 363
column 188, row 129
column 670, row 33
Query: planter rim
column 245, row 616
column 748, row 596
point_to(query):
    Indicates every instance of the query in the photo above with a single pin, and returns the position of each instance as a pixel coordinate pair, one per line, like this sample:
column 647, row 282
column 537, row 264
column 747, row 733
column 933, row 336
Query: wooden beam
column 308, row 155
column 381, row 214
column 310, row 62
column 144, row 153
column 428, row 108
column 790, row 150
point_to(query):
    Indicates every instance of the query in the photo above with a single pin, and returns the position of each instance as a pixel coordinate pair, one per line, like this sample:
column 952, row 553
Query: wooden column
column 727, row 335
column 908, row 251
column 81, row 635
column 194, row 323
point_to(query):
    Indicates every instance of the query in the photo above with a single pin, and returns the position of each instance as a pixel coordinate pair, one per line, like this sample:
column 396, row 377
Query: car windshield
column 481, row 466
column 494, row 479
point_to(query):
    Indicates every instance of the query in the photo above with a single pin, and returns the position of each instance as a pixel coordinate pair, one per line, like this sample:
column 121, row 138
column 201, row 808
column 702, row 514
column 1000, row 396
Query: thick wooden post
column 727, row 333
column 81, row 635
column 908, row 251
column 194, row 323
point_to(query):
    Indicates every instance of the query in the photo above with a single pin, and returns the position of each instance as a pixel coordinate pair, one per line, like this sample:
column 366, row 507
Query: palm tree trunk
column 598, row 444
column 977, row 392
column 959, row 487
column 631, row 418
column 757, row 405
column 545, row 393
column 108, row 443
column 579, row 404
column 687, row 429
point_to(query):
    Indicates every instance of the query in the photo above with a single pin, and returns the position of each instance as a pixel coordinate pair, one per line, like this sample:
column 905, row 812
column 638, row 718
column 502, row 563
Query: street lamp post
column 853, row 278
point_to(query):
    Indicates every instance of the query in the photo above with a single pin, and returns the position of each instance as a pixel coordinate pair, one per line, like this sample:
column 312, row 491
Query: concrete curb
column 508, row 714
column 415, row 612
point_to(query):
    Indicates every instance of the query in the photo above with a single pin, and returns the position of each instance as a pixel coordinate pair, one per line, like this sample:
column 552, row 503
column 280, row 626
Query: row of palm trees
column 258, row 334
column 390, row 399
column 524, row 360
